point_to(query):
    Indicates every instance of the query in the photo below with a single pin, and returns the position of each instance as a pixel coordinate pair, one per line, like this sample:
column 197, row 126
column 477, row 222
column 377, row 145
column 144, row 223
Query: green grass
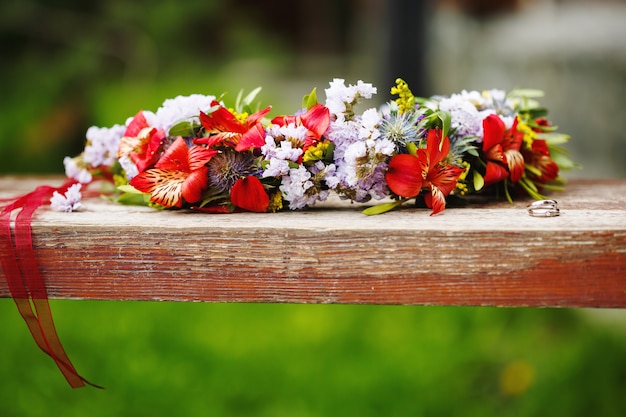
column 166, row 359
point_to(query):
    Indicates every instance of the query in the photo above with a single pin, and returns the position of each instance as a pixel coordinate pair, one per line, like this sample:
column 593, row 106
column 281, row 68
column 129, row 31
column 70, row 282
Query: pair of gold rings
column 544, row 208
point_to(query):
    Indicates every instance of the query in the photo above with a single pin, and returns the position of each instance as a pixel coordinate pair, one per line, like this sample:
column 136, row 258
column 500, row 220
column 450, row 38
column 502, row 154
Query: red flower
column 225, row 129
column 539, row 157
column 408, row 174
column 316, row 120
column 141, row 142
column 502, row 150
column 248, row 194
column 181, row 173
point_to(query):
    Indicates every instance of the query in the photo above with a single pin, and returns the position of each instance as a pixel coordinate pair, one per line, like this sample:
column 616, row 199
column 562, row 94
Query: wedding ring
column 544, row 203
column 544, row 208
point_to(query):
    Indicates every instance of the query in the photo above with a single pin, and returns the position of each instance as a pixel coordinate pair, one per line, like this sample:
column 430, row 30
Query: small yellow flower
column 276, row 202
column 529, row 135
column 461, row 184
column 406, row 99
column 316, row 152
column 241, row 117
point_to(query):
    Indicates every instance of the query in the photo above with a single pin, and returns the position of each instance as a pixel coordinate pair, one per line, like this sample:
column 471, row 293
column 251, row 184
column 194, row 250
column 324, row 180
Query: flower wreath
column 198, row 154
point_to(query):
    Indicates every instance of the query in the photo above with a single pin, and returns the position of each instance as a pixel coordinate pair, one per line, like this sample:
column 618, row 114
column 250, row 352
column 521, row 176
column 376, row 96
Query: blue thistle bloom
column 400, row 128
column 228, row 166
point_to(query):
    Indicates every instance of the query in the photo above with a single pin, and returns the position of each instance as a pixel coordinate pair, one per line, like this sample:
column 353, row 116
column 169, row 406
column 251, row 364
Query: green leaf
column 553, row 187
column 213, row 198
column 472, row 151
column 533, row 170
column 184, row 129
column 479, row 181
column 563, row 160
column 329, row 153
column 310, row 99
column 243, row 104
column 507, row 194
column 446, row 121
column 383, row 208
column 554, row 138
column 411, row 147
column 251, row 96
column 534, row 111
column 134, row 199
column 526, row 93
column 238, row 104
column 127, row 188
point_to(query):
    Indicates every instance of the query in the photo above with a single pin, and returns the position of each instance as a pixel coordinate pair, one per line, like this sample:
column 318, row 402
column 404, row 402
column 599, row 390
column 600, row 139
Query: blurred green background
column 186, row 359
column 70, row 64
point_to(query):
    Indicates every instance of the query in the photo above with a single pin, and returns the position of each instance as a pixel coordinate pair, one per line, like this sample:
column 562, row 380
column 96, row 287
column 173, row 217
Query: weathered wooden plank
column 486, row 254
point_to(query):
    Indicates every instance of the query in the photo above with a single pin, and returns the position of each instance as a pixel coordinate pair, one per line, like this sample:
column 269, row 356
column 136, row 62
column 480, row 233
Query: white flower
column 370, row 119
column 129, row 167
column 72, row 170
column 293, row 133
column 276, row 168
column 68, row 202
column 102, row 145
column 278, row 157
column 365, row 90
column 466, row 119
column 294, row 188
column 385, row 147
column 181, row 108
column 287, row 152
column 497, row 100
column 340, row 98
column 508, row 121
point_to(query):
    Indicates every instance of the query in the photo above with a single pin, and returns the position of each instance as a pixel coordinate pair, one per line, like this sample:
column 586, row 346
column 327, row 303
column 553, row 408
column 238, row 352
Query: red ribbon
column 24, row 279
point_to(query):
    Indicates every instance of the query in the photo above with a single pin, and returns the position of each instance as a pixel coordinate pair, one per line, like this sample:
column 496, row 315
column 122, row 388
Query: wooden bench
column 490, row 254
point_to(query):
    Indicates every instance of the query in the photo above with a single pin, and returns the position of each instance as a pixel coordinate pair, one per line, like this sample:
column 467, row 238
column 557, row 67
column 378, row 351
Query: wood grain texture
column 488, row 254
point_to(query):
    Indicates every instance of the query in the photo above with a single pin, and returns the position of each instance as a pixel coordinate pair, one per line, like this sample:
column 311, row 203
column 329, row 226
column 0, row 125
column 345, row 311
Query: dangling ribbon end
column 24, row 280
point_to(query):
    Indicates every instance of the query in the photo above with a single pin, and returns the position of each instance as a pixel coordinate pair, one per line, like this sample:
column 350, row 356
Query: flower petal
column 513, row 138
column 198, row 156
column 255, row 118
column 248, row 194
column 164, row 186
column 149, row 141
column 316, row 120
column 253, row 138
column 496, row 154
column 283, row 120
column 404, row 175
column 493, row 131
column 136, row 124
column 175, row 157
column 195, row 184
column 515, row 161
column 436, row 146
column 444, row 177
column 221, row 120
column 435, row 200
column 495, row 173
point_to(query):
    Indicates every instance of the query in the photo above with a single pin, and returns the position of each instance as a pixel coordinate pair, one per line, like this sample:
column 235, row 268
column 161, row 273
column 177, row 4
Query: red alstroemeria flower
column 539, row 157
column 502, row 150
column 141, row 143
column 248, row 194
column 181, row 173
column 225, row 130
column 408, row 174
column 316, row 120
